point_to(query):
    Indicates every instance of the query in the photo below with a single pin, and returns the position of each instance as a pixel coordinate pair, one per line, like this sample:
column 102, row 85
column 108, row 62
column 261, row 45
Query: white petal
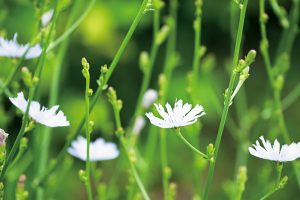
column 41, row 114
column 99, row 149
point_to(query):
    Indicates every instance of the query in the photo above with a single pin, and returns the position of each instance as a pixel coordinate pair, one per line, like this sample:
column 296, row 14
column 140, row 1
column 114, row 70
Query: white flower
column 138, row 125
column 149, row 97
column 11, row 48
column 180, row 115
column 48, row 117
column 99, row 149
column 46, row 17
column 286, row 153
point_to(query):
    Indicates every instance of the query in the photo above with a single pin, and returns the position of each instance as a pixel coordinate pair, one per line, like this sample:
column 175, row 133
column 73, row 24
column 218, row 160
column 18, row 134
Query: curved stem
column 97, row 94
column 190, row 145
column 72, row 28
column 272, row 79
column 227, row 99
column 12, row 75
column 40, row 64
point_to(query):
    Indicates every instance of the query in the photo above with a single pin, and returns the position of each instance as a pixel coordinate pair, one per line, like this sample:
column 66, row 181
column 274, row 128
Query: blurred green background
column 98, row 38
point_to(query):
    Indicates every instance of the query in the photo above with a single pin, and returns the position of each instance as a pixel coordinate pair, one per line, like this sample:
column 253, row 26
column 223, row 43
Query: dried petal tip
column 180, row 115
column 3, row 137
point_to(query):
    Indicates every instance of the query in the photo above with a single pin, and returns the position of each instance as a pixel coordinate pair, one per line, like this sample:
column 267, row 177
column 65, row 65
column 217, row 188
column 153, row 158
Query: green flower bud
column 103, row 69
column 210, row 149
column 112, row 95
column 283, row 182
column 162, row 34
column 82, row 176
column 144, row 61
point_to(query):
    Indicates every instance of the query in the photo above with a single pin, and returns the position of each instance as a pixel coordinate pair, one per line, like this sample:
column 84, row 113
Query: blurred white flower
column 180, row 115
column 11, row 48
column 267, row 151
column 138, row 125
column 46, row 17
column 49, row 117
column 149, row 97
column 3, row 137
column 99, row 149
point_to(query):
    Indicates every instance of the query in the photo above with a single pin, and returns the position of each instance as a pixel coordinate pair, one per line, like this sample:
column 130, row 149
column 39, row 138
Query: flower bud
column 210, row 150
column 144, row 61
column 149, row 98
column 138, row 125
column 162, row 35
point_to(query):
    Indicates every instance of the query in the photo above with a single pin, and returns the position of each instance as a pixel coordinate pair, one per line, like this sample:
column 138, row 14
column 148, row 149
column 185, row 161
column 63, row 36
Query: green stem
column 88, row 134
column 40, row 64
column 189, row 144
column 71, row 28
column 168, row 69
column 97, row 94
column 45, row 133
column 272, row 79
column 12, row 75
column 164, row 162
column 291, row 97
column 134, row 171
column 227, row 99
column 120, row 134
column 276, row 187
column 153, row 55
column 197, row 44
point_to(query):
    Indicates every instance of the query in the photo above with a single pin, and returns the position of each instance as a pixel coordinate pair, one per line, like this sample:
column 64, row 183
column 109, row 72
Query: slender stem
column 126, row 40
column 11, row 76
column 291, row 97
column 272, row 79
column 164, row 162
column 87, row 132
column 168, row 69
column 45, row 132
column 72, row 28
column 153, row 55
column 120, row 134
column 197, row 43
column 189, row 144
column 227, row 99
column 289, row 34
column 97, row 94
column 40, row 64
column 134, row 171
column 276, row 187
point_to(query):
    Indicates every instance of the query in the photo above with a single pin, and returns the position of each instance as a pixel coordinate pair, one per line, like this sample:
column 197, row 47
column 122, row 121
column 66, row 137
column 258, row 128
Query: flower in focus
column 267, row 151
column 11, row 48
column 149, row 97
column 99, row 149
column 139, row 124
column 48, row 117
column 180, row 115
column 3, row 137
column 46, row 17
